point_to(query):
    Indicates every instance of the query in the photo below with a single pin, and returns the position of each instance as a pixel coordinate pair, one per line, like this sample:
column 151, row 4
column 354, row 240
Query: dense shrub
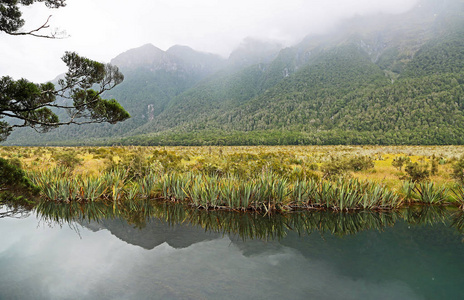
column 11, row 174
column 360, row 163
column 399, row 161
column 68, row 160
column 339, row 167
column 13, row 182
column 458, row 170
column 417, row 172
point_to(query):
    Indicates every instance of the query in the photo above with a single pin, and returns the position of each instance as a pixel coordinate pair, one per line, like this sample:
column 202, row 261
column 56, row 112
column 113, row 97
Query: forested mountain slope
column 386, row 79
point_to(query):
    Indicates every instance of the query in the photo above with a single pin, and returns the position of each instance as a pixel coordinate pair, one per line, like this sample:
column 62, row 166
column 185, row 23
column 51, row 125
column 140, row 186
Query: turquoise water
column 315, row 255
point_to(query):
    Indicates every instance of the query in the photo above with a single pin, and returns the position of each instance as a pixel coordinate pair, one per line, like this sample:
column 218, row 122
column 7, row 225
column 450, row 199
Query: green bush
column 360, row 163
column 417, row 172
column 458, row 170
column 13, row 181
column 11, row 174
column 339, row 167
column 398, row 162
column 67, row 160
column 334, row 169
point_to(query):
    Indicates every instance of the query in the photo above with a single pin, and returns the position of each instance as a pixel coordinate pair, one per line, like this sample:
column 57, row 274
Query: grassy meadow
column 258, row 177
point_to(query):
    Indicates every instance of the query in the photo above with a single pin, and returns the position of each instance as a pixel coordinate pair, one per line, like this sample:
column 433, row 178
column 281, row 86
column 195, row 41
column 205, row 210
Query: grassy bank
column 249, row 178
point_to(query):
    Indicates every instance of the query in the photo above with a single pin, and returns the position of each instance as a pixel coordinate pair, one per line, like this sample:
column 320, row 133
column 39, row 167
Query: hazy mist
column 101, row 29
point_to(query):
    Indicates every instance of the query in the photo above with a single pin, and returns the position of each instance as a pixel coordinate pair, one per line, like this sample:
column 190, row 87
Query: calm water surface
column 201, row 255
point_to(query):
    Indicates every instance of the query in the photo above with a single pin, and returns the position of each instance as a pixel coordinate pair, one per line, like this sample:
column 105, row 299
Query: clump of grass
column 458, row 193
column 429, row 193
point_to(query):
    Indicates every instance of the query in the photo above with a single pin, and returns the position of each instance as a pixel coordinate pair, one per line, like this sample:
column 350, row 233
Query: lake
column 171, row 252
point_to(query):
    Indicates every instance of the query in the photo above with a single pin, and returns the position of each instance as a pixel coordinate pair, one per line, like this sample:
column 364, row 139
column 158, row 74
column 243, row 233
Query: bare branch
column 34, row 31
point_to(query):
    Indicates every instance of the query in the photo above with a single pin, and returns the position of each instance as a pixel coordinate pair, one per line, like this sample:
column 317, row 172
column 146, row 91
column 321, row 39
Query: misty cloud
column 102, row 29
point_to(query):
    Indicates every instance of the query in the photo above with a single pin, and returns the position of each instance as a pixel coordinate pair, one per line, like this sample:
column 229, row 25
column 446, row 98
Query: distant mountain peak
column 145, row 55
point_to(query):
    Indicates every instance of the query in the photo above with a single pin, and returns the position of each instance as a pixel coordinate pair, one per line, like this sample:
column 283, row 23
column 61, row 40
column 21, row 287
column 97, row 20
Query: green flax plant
column 197, row 192
column 212, row 191
column 458, row 195
column 378, row 197
column 116, row 180
column 272, row 191
column 91, row 188
column 148, row 185
column 180, row 185
column 324, row 195
column 231, row 192
column 347, row 194
column 133, row 191
column 407, row 190
column 303, row 192
column 174, row 186
column 428, row 193
column 56, row 184
column 248, row 191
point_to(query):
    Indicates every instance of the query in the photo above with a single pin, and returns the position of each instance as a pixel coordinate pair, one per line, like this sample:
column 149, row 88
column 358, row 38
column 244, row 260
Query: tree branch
column 36, row 122
column 33, row 32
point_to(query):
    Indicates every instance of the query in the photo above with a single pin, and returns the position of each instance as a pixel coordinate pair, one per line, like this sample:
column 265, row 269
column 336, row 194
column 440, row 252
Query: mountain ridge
column 388, row 79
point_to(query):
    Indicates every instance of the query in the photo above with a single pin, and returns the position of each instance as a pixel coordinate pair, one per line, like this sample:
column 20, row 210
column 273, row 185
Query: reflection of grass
column 240, row 177
column 247, row 225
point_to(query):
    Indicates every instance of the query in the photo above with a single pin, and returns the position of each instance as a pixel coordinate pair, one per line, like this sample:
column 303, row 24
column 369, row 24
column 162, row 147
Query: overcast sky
column 102, row 29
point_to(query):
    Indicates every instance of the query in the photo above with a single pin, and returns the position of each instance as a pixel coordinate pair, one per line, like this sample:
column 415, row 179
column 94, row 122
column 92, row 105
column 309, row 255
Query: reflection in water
column 146, row 250
column 139, row 213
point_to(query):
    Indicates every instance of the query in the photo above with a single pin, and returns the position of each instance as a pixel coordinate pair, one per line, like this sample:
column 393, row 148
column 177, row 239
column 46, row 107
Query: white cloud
column 101, row 29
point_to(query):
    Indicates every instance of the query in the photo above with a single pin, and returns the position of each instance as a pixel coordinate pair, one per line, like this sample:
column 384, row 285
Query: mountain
column 380, row 79
column 153, row 234
column 152, row 78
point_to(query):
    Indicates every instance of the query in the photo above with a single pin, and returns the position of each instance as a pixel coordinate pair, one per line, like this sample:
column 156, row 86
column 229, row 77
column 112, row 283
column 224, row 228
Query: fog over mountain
column 373, row 79
column 112, row 27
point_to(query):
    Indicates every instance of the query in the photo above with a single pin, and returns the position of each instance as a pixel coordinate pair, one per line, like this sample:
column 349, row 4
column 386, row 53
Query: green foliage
column 135, row 164
column 428, row 193
column 334, row 169
column 417, row 172
column 458, row 170
column 10, row 11
column 442, row 55
column 167, row 159
column 434, row 166
column 399, row 161
column 360, row 163
column 15, row 186
column 11, row 175
column 35, row 105
column 338, row 167
column 67, row 160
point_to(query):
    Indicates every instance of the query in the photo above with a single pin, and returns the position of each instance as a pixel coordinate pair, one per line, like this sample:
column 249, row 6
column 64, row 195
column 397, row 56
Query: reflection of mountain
column 404, row 254
column 155, row 233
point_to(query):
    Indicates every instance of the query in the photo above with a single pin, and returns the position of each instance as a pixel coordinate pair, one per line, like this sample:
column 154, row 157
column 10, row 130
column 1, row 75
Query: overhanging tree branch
column 79, row 93
column 11, row 21
column 34, row 31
